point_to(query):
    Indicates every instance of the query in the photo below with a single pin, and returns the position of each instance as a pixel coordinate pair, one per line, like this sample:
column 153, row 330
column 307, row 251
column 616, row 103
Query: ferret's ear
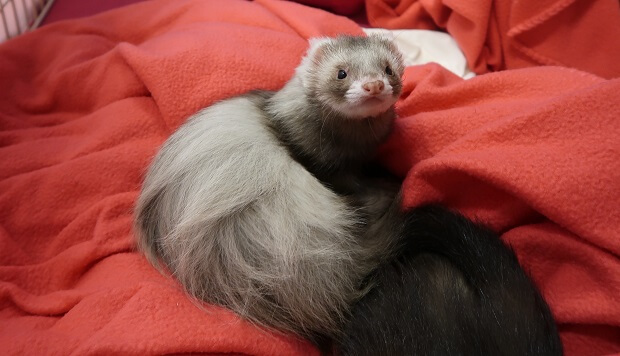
column 383, row 35
column 313, row 55
column 388, row 39
column 316, row 43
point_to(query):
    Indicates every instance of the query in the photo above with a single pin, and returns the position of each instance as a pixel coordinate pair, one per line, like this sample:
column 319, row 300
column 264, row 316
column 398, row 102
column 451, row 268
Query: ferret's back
column 243, row 225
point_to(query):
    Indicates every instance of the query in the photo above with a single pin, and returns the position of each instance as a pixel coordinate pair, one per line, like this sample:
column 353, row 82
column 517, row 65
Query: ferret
column 259, row 203
column 454, row 288
column 268, row 204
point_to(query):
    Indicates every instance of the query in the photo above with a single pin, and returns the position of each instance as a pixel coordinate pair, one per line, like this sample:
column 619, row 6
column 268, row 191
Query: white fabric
column 424, row 46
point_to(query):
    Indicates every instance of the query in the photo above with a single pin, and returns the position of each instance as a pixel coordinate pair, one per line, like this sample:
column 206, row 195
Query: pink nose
column 374, row 88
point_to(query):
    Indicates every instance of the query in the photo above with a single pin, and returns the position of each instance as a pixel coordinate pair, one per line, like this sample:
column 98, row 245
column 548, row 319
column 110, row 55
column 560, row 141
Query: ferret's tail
column 455, row 288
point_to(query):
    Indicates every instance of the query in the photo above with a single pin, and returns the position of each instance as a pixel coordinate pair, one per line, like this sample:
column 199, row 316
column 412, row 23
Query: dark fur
column 456, row 289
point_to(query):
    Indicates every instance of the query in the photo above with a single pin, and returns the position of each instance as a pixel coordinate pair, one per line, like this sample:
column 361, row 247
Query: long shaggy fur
column 455, row 289
column 249, row 204
column 262, row 204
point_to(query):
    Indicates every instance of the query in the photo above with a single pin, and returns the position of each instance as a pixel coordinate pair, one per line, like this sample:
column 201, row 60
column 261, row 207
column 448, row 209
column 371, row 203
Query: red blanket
column 507, row 34
column 536, row 154
column 85, row 104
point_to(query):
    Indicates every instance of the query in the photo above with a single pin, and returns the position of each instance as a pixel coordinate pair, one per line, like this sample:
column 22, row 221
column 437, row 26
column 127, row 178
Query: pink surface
column 72, row 9
column 87, row 103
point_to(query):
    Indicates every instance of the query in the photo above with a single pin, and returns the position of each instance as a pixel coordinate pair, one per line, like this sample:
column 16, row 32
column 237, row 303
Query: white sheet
column 424, row 46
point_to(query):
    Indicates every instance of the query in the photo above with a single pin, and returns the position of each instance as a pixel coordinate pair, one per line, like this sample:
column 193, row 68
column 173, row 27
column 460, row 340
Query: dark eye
column 388, row 70
column 342, row 74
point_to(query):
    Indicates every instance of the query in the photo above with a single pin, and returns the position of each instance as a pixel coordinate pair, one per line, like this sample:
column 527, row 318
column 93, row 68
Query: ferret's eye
column 388, row 70
column 342, row 74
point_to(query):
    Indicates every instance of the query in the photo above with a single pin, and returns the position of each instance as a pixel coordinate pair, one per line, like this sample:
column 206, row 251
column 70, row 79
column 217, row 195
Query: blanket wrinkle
column 23, row 303
column 86, row 104
column 499, row 35
column 306, row 30
column 539, row 161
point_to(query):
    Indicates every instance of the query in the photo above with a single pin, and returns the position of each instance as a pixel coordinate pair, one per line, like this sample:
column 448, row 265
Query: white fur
column 304, row 67
column 357, row 104
column 241, row 224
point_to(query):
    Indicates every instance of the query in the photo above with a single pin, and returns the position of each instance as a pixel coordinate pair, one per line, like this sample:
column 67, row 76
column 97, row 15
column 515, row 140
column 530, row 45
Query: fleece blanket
column 85, row 105
column 496, row 35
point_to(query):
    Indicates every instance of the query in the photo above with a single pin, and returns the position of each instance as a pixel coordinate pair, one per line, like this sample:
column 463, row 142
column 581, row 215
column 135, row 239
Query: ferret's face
column 358, row 77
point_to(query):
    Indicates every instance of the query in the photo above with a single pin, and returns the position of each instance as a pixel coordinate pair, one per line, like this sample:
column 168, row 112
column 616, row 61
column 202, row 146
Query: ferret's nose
column 374, row 88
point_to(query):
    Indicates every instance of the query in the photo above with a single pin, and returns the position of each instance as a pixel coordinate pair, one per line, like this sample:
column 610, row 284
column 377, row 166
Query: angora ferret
column 258, row 203
column 264, row 204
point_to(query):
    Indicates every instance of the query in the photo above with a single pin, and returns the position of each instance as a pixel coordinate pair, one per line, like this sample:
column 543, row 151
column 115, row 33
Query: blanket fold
column 534, row 153
column 497, row 35
column 85, row 105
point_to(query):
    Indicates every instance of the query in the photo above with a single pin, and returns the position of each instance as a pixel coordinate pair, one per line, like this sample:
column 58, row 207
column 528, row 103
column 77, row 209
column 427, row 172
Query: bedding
column 86, row 103
column 424, row 46
column 497, row 35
